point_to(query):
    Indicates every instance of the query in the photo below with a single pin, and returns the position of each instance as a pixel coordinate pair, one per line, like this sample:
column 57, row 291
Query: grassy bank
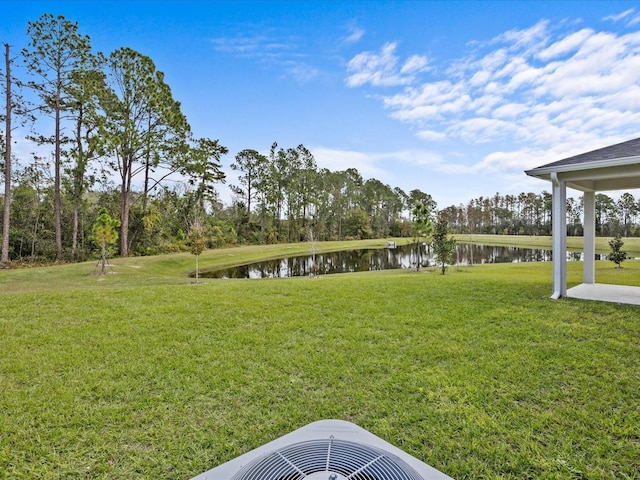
column 159, row 269
column 141, row 374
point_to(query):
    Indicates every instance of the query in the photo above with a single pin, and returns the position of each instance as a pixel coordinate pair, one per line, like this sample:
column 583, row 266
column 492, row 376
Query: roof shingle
column 630, row 148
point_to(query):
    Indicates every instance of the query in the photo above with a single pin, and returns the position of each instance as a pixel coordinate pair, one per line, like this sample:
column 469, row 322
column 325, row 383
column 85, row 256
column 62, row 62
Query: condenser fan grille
column 329, row 459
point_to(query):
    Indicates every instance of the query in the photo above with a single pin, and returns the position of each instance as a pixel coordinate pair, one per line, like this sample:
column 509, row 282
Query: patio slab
column 606, row 293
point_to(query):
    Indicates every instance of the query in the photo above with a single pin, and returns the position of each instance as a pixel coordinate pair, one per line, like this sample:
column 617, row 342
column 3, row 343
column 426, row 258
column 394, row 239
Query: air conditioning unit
column 325, row 450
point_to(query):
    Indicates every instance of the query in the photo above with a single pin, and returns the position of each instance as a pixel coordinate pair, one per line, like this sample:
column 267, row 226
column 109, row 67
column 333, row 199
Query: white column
column 589, row 270
column 559, row 231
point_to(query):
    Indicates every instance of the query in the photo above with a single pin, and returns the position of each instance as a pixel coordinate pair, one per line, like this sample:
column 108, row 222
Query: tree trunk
column 278, row 223
column 35, row 233
column 147, row 169
column 57, row 202
column 146, row 186
column 125, row 205
column 249, row 200
column 103, row 257
column 74, row 243
column 124, row 225
column 78, row 178
column 7, row 162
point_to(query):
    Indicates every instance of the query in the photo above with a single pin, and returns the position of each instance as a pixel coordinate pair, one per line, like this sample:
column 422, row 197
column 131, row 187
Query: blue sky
column 454, row 98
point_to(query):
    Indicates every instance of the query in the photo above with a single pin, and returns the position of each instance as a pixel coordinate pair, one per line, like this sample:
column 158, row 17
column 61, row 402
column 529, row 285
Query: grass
column 141, row 374
column 158, row 270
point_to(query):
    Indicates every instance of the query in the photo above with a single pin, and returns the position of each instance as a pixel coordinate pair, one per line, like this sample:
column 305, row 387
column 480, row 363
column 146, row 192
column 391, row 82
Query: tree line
column 118, row 140
column 120, row 145
column 109, row 116
column 530, row 214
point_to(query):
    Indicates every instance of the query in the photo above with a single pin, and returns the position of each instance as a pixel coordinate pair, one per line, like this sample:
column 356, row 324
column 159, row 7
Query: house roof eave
column 545, row 171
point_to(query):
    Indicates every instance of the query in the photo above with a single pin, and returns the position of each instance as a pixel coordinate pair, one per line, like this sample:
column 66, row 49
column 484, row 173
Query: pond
column 364, row 260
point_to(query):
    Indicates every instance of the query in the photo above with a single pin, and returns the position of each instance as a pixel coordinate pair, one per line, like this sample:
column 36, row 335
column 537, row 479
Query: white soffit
column 595, row 178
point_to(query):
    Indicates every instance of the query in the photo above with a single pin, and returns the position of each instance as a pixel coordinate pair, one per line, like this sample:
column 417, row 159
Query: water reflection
column 380, row 259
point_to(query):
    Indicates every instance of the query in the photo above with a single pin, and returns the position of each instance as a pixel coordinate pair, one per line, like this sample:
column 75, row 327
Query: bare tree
column 7, row 158
column 15, row 105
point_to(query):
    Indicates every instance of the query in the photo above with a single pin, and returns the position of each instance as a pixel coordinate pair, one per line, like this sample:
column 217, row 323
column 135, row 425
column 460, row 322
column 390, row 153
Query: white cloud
column 480, row 78
column 381, row 69
column 525, row 98
column 415, row 63
column 620, row 16
column 485, row 104
column 250, row 45
column 492, row 61
column 368, row 163
column 566, row 45
column 627, row 98
column 482, row 130
column 281, row 53
column 456, row 169
column 355, row 34
column 338, row 160
column 413, row 157
column 510, row 110
column 515, row 160
column 524, row 77
column 535, row 36
column 602, row 64
column 431, row 135
column 432, row 101
column 540, row 85
column 302, row 72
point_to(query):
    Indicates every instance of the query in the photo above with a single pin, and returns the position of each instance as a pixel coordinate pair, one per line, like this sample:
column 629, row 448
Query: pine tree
column 422, row 227
column 105, row 235
column 443, row 244
column 196, row 242
column 56, row 51
column 617, row 255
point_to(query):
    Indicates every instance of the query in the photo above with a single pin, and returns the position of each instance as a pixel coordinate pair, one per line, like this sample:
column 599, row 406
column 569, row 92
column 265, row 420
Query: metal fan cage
column 328, row 459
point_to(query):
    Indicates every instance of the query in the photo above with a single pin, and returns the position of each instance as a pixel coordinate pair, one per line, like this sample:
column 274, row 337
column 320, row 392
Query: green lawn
column 142, row 374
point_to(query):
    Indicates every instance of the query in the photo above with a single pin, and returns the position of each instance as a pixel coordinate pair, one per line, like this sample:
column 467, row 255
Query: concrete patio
column 606, row 293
